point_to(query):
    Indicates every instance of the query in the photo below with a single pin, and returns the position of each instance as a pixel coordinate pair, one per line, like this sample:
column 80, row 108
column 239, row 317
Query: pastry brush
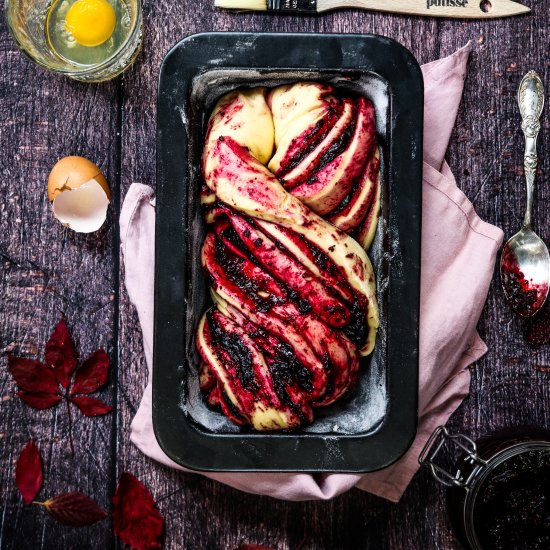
column 459, row 9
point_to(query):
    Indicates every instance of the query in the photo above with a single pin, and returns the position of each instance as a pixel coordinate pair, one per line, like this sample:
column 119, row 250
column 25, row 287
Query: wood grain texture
column 46, row 269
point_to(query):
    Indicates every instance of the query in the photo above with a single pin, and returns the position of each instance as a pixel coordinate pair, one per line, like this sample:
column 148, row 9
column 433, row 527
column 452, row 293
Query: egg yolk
column 91, row 22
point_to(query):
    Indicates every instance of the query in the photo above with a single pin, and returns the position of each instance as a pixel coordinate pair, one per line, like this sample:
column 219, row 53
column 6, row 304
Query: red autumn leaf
column 40, row 382
column 39, row 400
column 61, row 353
column 31, row 375
column 136, row 519
column 75, row 509
column 92, row 374
column 28, row 472
column 90, row 406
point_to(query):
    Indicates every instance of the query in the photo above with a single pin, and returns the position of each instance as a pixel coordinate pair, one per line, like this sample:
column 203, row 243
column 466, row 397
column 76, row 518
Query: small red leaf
column 28, row 472
column 61, row 353
column 32, row 375
column 75, row 509
column 136, row 519
column 39, row 400
column 92, row 374
column 90, row 406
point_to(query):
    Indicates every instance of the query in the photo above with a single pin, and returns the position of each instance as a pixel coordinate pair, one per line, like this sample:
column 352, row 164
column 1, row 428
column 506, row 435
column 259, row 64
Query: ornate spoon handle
column 531, row 103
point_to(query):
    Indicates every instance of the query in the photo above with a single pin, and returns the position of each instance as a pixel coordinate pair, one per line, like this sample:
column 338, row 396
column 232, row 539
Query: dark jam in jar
column 512, row 507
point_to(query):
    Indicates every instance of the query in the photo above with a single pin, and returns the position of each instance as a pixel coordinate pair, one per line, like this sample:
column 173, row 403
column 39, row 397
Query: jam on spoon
column 525, row 296
column 525, row 262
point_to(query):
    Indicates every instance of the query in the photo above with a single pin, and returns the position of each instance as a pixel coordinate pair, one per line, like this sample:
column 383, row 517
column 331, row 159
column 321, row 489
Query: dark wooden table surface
column 46, row 269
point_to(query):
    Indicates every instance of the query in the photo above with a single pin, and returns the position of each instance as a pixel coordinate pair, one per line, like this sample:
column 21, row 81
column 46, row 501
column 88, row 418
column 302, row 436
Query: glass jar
column 27, row 23
column 499, row 496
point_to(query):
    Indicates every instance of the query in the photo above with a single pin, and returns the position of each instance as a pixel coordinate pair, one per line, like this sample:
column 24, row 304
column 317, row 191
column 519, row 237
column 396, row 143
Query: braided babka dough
column 292, row 193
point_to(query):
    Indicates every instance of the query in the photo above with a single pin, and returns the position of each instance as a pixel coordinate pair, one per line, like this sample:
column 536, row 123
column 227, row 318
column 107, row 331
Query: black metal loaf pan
column 376, row 425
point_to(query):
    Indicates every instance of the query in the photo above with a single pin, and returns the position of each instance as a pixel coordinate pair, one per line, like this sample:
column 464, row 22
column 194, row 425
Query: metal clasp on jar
column 433, row 447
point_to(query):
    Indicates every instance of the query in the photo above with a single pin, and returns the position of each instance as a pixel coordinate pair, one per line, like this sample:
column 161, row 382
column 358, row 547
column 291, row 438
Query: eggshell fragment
column 83, row 209
column 79, row 194
column 72, row 172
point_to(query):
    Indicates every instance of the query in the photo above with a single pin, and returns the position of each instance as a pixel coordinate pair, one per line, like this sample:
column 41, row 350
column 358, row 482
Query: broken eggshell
column 79, row 194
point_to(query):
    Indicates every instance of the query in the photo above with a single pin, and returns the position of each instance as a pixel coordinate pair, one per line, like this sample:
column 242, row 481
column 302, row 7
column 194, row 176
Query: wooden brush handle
column 458, row 9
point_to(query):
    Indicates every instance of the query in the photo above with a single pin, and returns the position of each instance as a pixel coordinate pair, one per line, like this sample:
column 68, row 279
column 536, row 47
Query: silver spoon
column 525, row 262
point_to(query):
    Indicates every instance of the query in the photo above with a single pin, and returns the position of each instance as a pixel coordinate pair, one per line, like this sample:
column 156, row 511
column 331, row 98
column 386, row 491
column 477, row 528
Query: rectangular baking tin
column 195, row 73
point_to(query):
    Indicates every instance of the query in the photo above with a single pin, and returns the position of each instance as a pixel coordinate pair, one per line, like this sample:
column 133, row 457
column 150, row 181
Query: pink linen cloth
column 458, row 256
